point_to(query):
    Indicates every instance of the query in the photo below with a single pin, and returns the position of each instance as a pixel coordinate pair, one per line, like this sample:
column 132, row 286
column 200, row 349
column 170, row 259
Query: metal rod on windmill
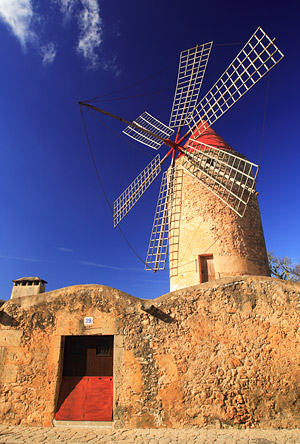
column 230, row 177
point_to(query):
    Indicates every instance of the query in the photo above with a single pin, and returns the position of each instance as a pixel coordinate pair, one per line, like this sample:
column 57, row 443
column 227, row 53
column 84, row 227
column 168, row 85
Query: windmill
column 227, row 174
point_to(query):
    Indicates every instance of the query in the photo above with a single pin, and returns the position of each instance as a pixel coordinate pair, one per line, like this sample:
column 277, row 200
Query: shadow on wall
column 7, row 320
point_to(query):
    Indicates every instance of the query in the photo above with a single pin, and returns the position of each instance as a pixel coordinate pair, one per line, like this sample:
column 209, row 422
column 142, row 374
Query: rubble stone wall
column 207, row 226
column 223, row 353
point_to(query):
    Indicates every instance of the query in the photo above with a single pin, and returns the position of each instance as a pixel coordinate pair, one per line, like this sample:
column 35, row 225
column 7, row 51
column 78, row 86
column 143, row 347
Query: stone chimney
column 27, row 286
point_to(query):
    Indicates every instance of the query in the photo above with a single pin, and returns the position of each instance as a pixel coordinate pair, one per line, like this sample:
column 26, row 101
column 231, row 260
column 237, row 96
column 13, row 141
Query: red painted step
column 87, row 398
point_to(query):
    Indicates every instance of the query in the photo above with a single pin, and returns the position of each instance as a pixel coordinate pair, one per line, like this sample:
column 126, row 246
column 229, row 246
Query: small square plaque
column 88, row 320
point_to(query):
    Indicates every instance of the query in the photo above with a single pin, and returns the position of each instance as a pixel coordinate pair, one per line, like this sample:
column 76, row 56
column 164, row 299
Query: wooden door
column 87, row 398
column 86, row 392
column 206, row 268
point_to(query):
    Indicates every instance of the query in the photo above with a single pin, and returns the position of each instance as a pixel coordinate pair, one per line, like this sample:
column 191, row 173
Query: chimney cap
column 30, row 279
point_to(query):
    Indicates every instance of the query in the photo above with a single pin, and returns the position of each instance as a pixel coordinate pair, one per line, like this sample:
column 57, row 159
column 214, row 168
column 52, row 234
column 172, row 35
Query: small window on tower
column 206, row 268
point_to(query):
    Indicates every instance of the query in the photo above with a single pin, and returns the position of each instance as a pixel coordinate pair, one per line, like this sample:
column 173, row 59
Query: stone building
column 208, row 240
column 225, row 352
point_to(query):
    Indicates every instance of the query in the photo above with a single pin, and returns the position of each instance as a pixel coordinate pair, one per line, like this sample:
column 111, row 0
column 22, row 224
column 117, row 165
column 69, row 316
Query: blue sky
column 55, row 222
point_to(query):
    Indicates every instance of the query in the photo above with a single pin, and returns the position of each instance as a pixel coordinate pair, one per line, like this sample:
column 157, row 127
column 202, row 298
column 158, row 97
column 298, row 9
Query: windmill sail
column 136, row 189
column 229, row 176
column 174, row 223
column 192, row 66
column 158, row 245
column 256, row 59
column 149, row 123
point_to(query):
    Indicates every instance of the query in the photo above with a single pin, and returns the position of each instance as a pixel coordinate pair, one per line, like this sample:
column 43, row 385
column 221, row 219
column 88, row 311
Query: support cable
column 170, row 66
column 132, row 85
column 96, row 116
column 229, row 44
column 129, row 86
column 264, row 119
column 102, row 188
column 151, row 93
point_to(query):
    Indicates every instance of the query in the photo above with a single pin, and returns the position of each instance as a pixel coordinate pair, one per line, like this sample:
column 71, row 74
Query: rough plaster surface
column 223, row 353
column 205, row 225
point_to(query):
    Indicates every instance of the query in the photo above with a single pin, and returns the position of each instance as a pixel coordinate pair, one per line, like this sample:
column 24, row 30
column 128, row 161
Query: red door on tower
column 206, row 268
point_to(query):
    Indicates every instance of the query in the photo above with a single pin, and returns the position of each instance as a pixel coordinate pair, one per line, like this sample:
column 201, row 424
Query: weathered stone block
column 8, row 373
column 226, row 351
column 10, row 337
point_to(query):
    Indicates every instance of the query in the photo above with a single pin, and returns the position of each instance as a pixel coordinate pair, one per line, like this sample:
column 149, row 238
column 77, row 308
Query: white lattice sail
column 149, row 123
column 158, row 245
column 229, row 175
column 174, row 223
column 136, row 189
column 192, row 66
column 256, row 59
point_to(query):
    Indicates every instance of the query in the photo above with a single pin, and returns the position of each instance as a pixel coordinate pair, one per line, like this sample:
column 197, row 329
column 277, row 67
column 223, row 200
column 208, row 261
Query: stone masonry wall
column 224, row 352
column 208, row 226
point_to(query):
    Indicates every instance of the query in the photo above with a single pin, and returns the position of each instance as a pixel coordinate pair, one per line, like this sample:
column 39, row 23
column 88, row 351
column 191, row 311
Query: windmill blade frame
column 159, row 131
column 174, row 223
column 257, row 58
column 159, row 239
column 129, row 197
column 191, row 70
column 229, row 176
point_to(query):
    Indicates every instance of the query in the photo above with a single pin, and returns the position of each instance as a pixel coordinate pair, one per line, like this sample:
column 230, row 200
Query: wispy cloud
column 67, row 7
column 90, row 38
column 116, row 28
column 111, row 65
column 48, row 53
column 28, row 26
column 90, row 24
column 68, row 250
column 24, row 259
column 18, row 16
column 141, row 281
column 111, row 267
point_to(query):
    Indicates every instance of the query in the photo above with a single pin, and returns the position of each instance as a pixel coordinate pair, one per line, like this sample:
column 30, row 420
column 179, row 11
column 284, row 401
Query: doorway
column 206, row 268
column 86, row 392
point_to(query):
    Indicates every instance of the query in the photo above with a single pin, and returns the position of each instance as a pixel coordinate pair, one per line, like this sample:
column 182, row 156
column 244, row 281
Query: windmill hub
column 175, row 147
column 211, row 184
column 172, row 144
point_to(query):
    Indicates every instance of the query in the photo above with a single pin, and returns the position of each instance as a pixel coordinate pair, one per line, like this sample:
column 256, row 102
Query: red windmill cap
column 212, row 138
column 209, row 137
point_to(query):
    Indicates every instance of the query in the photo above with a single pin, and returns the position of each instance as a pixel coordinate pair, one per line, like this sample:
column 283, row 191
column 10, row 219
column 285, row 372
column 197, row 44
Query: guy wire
column 264, row 119
column 119, row 135
column 102, row 188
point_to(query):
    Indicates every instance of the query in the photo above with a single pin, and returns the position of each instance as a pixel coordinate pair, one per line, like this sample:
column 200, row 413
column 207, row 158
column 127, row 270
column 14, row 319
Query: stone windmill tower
column 207, row 214
column 207, row 239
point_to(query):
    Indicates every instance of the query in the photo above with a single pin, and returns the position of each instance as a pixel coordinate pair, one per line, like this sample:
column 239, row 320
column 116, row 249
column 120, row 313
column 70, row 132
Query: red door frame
column 200, row 267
